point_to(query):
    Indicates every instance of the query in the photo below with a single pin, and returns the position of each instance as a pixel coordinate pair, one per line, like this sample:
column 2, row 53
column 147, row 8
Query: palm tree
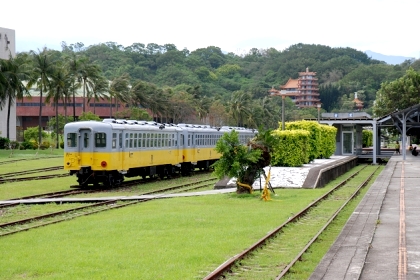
column 42, row 69
column 74, row 63
column 12, row 74
column 239, row 106
column 88, row 72
column 120, row 90
column 99, row 86
column 59, row 84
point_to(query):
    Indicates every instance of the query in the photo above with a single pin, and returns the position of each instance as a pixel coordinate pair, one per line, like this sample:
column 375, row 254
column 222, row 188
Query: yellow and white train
column 104, row 152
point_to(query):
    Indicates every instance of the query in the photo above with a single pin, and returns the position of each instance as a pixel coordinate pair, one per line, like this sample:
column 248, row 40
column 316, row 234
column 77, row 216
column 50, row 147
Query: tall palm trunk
column 40, row 119
column 84, row 94
column 9, row 105
column 56, row 118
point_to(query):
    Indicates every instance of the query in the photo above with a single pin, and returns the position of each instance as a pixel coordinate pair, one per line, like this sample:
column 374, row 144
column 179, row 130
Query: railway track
column 245, row 265
column 13, row 176
column 59, row 216
column 38, row 170
column 75, row 191
column 22, row 159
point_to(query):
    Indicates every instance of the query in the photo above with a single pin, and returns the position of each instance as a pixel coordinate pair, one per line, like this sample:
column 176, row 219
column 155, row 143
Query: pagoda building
column 357, row 103
column 303, row 91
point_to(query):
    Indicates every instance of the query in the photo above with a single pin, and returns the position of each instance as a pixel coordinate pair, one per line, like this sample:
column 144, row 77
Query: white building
column 7, row 48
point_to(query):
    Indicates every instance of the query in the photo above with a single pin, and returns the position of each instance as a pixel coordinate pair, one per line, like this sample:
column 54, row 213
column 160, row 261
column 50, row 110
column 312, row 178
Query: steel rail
column 227, row 266
column 112, row 201
column 330, row 220
column 17, row 173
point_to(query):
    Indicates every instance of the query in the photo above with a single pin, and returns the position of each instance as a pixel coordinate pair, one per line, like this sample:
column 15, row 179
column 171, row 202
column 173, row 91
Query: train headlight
column 103, row 164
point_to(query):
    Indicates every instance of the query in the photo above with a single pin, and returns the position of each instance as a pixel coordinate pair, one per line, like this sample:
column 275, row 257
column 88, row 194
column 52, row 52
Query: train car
column 106, row 152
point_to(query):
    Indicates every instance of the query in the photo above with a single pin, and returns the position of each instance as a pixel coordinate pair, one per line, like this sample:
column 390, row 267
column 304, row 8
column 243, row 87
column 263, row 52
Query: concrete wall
column 7, row 47
column 318, row 177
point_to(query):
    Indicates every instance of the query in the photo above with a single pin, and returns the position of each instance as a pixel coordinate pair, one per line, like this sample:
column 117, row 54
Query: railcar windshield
column 71, row 140
column 100, row 140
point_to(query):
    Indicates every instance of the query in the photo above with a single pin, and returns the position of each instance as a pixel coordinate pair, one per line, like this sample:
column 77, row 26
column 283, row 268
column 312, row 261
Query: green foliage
column 31, row 133
column 27, row 145
column 398, row 94
column 157, row 78
column 61, row 123
column 4, row 143
column 367, row 136
column 327, row 146
column 235, row 157
column 314, row 129
column 292, row 148
column 302, row 142
column 89, row 116
column 134, row 113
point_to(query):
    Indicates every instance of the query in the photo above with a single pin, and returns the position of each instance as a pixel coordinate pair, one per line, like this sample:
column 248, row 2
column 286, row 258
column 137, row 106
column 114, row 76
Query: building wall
column 27, row 110
column 7, row 48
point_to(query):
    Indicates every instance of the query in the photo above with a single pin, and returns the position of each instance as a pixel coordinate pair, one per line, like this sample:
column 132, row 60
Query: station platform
column 381, row 239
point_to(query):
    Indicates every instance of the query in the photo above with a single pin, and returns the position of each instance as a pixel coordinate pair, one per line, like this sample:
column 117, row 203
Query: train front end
column 88, row 155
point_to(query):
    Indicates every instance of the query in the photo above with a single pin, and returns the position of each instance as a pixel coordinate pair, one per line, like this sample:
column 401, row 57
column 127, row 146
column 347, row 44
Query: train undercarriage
column 86, row 177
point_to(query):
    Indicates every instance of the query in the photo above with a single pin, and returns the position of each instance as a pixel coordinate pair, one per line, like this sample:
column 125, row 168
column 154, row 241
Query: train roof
column 150, row 125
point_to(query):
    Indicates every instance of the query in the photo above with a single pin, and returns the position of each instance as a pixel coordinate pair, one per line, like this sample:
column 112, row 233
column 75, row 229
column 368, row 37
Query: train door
column 85, row 147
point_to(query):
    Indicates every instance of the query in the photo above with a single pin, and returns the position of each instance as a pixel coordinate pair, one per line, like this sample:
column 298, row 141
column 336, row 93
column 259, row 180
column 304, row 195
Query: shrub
column 4, row 143
column 327, row 145
column 314, row 129
column 46, row 145
column 367, row 136
column 292, row 149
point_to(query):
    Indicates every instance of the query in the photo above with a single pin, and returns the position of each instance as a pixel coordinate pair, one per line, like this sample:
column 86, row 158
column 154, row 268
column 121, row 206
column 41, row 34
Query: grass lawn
column 179, row 238
column 7, row 155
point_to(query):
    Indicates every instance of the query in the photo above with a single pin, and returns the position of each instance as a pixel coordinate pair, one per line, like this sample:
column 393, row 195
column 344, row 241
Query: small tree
column 243, row 162
column 32, row 133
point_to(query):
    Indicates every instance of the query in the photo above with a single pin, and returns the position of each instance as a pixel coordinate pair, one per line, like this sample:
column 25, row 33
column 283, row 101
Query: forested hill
column 341, row 71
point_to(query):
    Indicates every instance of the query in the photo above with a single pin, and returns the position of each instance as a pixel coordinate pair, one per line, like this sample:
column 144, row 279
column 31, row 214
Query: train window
column 135, row 140
column 100, row 140
column 182, row 140
column 189, row 140
column 144, row 140
column 166, row 140
column 86, row 140
column 114, row 140
column 159, row 143
column 71, row 140
column 139, row 140
column 131, row 140
column 126, row 140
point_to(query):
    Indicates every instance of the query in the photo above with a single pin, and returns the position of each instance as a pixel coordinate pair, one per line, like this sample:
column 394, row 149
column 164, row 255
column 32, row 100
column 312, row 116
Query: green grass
column 26, row 188
column 180, row 238
column 30, row 164
column 8, row 155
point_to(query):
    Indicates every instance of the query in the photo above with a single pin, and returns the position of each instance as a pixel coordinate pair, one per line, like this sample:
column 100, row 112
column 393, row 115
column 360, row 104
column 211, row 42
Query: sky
column 388, row 27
